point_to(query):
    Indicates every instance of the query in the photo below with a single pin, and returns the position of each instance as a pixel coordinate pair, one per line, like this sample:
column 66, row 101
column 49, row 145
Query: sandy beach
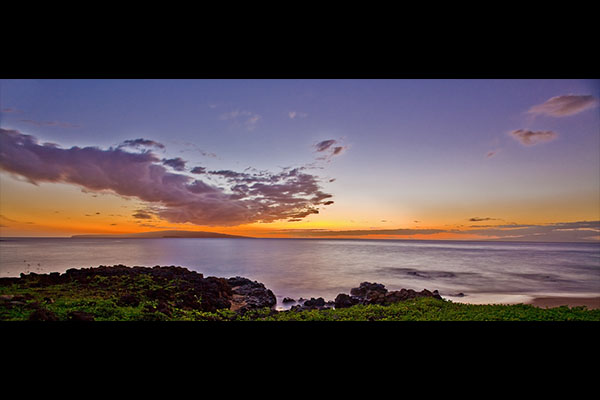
column 550, row 302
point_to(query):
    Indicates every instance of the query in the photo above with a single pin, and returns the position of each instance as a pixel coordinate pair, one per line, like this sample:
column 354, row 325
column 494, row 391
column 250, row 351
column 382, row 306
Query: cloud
column 140, row 214
column 198, row 170
column 178, row 164
column 478, row 219
column 491, row 154
column 337, row 150
column 141, row 143
column 6, row 219
column 250, row 122
column 530, row 138
column 243, row 198
column 363, row 232
column 297, row 114
column 10, row 110
column 50, row 123
column 324, row 145
column 249, row 118
column 329, row 148
column 580, row 231
column 562, row 106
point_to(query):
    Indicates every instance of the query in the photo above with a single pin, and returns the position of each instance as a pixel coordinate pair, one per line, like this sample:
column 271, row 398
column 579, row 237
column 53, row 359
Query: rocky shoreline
column 171, row 288
column 365, row 294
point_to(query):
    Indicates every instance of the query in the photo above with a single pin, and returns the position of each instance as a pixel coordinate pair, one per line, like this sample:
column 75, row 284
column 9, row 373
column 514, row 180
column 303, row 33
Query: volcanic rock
column 247, row 294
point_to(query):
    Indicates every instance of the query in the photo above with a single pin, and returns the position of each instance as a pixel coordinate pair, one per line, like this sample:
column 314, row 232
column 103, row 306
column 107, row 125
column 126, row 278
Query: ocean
column 462, row 271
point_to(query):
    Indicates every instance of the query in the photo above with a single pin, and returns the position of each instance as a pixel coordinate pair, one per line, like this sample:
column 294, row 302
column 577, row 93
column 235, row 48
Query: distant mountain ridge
column 162, row 234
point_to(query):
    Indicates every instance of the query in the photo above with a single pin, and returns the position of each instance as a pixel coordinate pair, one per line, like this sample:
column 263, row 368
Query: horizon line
column 2, row 238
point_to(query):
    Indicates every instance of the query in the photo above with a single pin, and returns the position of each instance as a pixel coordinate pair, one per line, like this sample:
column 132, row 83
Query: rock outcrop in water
column 366, row 293
column 376, row 293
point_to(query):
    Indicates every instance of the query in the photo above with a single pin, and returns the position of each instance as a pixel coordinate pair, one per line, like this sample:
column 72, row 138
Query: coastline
column 592, row 303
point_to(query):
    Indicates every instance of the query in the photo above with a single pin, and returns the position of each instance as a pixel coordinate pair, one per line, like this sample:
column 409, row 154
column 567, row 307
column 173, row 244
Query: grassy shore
column 134, row 298
column 430, row 309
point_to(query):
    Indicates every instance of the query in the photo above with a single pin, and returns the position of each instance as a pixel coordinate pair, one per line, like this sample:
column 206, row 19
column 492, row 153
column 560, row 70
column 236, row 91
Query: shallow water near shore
column 484, row 272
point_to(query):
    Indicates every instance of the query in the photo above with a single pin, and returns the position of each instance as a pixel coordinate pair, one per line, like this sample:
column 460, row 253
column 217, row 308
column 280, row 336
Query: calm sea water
column 483, row 271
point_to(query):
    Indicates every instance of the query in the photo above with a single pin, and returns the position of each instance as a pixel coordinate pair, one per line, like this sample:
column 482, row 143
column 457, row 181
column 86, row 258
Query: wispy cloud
column 563, row 106
column 6, row 219
column 240, row 198
column 478, row 219
column 141, row 214
column 195, row 148
column 10, row 110
column 361, row 232
column 248, row 118
column 329, row 148
column 580, row 231
column 530, row 138
column 560, row 231
column 50, row 123
column 141, row 143
column 324, row 145
column 297, row 114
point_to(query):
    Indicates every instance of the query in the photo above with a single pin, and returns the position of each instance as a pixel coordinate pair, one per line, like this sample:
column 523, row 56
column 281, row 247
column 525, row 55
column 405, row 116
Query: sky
column 504, row 159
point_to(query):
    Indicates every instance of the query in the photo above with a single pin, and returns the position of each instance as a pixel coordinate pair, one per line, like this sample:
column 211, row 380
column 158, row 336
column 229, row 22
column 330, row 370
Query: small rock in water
column 288, row 300
column 320, row 302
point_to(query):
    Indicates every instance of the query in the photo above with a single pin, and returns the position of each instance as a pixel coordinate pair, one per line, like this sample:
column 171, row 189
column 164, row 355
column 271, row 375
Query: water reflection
column 324, row 268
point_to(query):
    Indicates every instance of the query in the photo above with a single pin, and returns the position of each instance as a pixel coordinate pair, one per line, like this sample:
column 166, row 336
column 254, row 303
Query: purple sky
column 387, row 153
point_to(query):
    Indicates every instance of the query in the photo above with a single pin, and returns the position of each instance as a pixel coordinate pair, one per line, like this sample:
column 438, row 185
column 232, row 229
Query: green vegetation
column 133, row 298
column 430, row 309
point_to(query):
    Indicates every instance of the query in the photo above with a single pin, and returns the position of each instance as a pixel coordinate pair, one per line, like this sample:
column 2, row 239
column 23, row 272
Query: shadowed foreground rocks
column 161, row 289
column 159, row 293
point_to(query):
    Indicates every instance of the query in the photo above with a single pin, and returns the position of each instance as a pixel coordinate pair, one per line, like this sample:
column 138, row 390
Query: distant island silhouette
column 161, row 235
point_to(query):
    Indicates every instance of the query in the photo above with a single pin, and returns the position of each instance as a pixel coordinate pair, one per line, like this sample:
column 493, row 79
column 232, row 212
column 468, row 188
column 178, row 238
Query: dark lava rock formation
column 168, row 286
column 165, row 290
column 376, row 293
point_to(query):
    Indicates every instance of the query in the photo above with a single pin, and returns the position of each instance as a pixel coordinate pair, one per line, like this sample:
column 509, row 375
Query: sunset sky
column 388, row 159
